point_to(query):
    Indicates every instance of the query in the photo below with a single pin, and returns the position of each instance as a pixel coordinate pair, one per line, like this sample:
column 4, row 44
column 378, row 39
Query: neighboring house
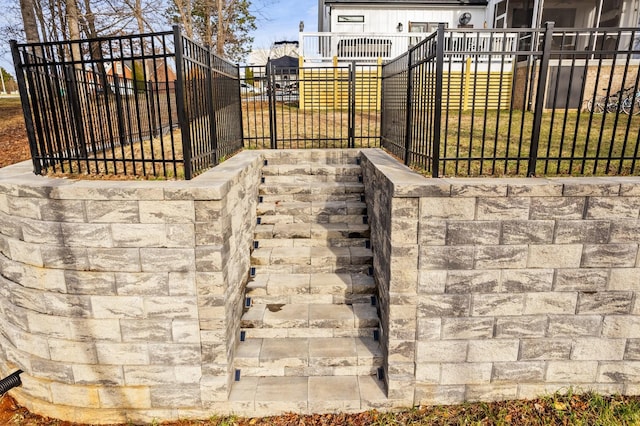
column 282, row 54
column 156, row 71
column 377, row 30
column 391, row 16
column 361, row 29
column 564, row 13
column 278, row 49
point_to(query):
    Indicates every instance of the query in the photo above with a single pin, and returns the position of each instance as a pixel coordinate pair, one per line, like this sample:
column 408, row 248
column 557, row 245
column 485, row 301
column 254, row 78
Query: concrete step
column 312, row 269
column 319, row 231
column 310, row 178
column 311, row 316
column 308, row 197
column 310, row 288
column 273, row 332
column 323, row 208
column 311, row 242
column 313, row 256
column 314, row 356
column 348, row 172
column 312, row 188
column 302, row 218
column 311, row 157
column 306, row 298
column 255, row 396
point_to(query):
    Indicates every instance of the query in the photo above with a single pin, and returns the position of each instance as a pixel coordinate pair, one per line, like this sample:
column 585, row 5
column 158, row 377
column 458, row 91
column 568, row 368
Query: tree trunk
column 138, row 14
column 184, row 8
column 221, row 30
column 27, row 8
column 208, row 24
column 73, row 19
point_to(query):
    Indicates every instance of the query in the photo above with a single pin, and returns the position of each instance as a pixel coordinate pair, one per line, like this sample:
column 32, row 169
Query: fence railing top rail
column 94, row 40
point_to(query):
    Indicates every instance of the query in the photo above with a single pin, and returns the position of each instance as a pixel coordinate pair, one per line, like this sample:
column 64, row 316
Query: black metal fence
column 516, row 102
column 141, row 105
column 311, row 107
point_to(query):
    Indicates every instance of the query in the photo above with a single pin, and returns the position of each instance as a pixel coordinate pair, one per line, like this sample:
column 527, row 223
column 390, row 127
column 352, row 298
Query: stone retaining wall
column 121, row 301
column 505, row 288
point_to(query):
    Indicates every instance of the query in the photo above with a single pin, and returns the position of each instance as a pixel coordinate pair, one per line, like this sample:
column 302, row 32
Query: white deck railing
column 368, row 47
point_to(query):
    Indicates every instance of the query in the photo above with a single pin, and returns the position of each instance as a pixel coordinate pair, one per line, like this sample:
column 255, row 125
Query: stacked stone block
column 121, row 301
column 522, row 286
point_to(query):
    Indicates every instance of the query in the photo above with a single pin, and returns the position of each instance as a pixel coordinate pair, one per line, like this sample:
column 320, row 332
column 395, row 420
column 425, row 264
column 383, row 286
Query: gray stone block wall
column 121, row 301
column 505, row 288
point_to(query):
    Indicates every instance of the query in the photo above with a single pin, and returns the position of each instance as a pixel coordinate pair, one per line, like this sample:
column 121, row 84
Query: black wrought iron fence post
column 72, row 89
column 26, row 108
column 271, row 99
column 122, row 131
column 155, row 128
column 540, row 95
column 211, row 111
column 409, row 108
column 437, row 113
column 352, row 104
column 180, row 102
column 240, row 105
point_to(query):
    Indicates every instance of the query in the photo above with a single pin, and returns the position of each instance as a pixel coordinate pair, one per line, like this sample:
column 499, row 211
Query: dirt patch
column 14, row 145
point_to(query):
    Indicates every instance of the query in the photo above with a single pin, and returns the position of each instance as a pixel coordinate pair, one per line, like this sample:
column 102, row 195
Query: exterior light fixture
column 399, row 27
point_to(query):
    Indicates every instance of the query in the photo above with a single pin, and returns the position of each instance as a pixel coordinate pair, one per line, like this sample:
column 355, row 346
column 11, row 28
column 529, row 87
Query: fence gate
column 311, row 107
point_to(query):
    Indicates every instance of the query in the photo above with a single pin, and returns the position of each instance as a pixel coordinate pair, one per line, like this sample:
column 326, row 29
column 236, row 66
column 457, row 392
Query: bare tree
column 181, row 12
column 27, row 8
column 73, row 22
column 221, row 24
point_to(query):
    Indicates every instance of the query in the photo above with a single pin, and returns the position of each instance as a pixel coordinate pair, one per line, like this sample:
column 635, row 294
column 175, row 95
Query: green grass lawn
column 477, row 138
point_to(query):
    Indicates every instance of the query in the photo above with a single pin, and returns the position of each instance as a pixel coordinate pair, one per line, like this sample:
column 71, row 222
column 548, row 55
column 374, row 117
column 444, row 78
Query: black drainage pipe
column 10, row 382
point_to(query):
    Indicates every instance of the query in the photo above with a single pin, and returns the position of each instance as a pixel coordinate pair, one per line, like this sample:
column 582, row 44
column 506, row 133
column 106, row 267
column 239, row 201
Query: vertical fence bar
column 72, row 93
column 155, row 131
column 409, row 107
column 352, row 104
column 240, row 105
column 437, row 113
column 180, row 101
column 26, row 108
column 271, row 99
column 540, row 95
column 211, row 110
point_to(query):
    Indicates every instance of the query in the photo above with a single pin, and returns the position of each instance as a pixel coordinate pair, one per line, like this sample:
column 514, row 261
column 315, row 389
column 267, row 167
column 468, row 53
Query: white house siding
column 379, row 19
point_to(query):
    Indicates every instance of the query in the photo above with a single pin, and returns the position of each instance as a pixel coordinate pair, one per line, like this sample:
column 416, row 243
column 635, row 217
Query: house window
column 563, row 18
column 610, row 16
column 118, row 68
column 424, row 27
column 351, row 18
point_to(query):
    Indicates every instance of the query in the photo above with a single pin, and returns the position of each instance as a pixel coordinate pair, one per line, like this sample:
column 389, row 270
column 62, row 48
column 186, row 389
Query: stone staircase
column 309, row 337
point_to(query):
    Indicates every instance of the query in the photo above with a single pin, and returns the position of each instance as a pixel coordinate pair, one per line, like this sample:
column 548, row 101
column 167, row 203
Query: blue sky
column 278, row 20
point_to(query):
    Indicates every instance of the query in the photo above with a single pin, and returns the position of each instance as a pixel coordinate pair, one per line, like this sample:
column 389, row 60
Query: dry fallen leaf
column 560, row 406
